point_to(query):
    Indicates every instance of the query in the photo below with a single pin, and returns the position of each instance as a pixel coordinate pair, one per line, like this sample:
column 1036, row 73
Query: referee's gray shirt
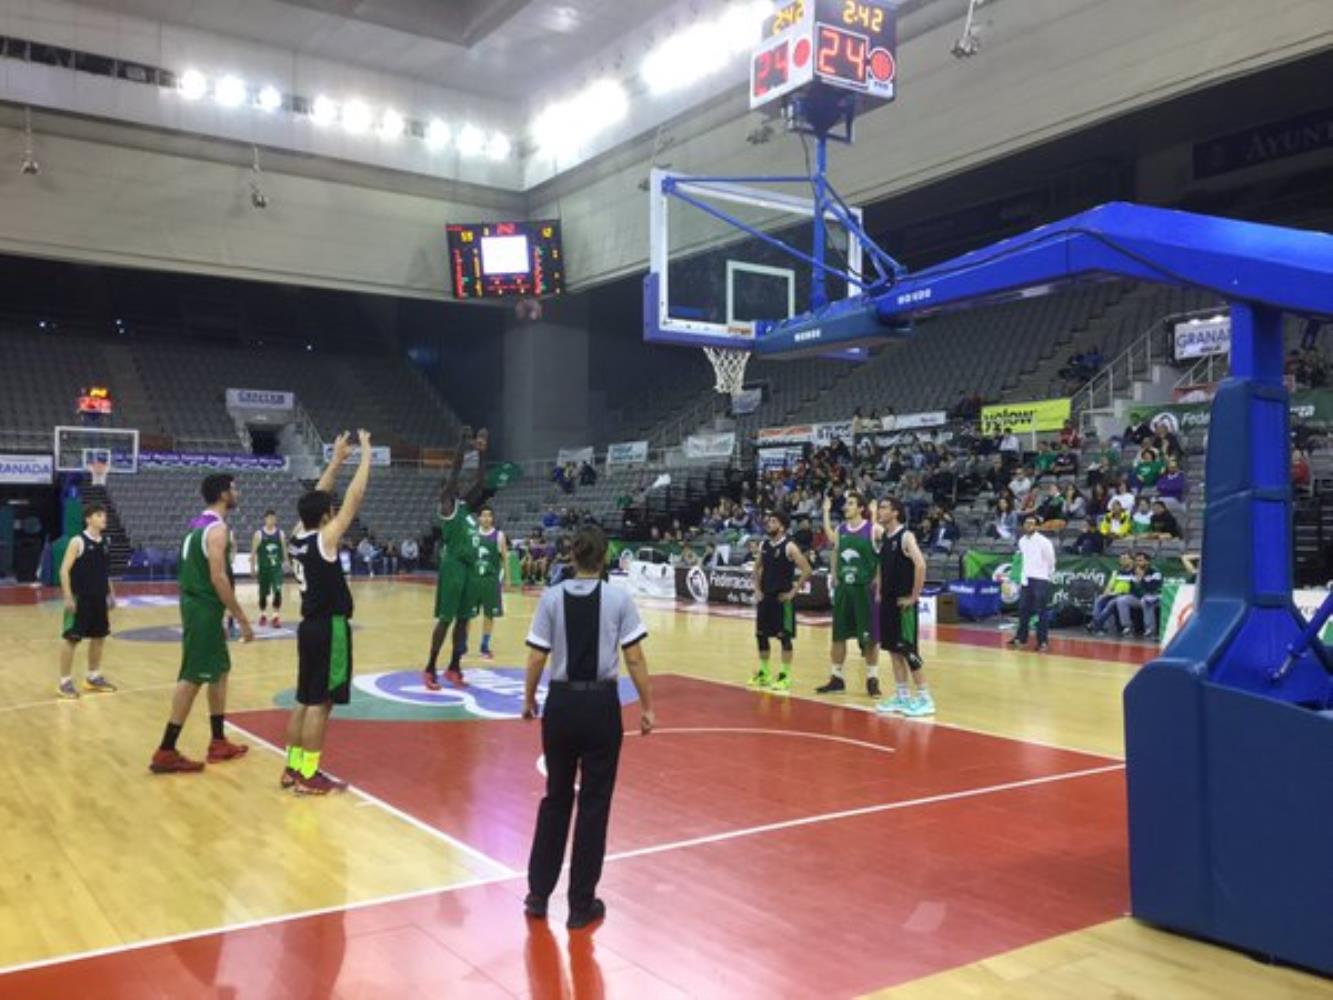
column 620, row 627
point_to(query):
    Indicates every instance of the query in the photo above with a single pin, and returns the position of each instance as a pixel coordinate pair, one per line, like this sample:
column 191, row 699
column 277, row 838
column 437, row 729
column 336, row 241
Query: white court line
column 749, row 831
column 869, row 710
column 512, row 876
column 500, row 869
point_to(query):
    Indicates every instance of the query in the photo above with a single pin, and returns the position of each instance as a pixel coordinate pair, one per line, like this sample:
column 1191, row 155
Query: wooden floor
column 102, row 861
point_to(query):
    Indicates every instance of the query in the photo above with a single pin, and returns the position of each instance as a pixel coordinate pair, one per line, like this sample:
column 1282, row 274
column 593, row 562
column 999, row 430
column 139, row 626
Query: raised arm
column 478, row 486
column 449, row 490
column 341, row 449
column 332, row 533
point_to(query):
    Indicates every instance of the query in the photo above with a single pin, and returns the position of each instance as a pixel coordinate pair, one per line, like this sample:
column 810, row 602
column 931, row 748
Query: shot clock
column 847, row 44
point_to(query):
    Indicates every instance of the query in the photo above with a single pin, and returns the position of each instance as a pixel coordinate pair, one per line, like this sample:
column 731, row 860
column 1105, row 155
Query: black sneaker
column 579, row 919
column 872, row 686
column 835, row 685
column 535, row 906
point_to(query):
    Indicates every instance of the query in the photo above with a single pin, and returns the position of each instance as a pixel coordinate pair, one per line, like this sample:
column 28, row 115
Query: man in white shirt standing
column 1038, row 555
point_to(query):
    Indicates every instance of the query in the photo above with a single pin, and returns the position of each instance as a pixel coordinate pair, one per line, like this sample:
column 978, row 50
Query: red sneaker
column 277, row 622
column 263, row 621
column 224, row 749
column 455, row 677
column 430, row 680
column 171, row 762
column 290, row 776
column 319, row 784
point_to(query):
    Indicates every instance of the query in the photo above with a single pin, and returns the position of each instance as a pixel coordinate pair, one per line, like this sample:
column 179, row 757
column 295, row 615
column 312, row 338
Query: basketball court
column 760, row 845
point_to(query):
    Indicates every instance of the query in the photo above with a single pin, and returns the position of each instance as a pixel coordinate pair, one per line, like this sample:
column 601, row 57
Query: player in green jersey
column 492, row 561
column 268, row 558
column 206, row 594
column 456, row 587
column 853, row 576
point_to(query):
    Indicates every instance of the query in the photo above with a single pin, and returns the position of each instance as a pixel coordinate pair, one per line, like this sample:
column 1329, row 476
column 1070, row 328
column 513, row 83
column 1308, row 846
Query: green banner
column 1006, row 569
column 1312, row 404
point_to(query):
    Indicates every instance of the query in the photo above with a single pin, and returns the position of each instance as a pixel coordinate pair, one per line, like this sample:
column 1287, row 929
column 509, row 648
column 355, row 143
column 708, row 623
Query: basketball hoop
column 729, row 367
column 97, row 471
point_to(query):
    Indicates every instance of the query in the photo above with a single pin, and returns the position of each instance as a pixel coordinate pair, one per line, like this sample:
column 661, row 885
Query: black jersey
column 324, row 590
column 777, row 572
column 90, row 575
column 897, row 572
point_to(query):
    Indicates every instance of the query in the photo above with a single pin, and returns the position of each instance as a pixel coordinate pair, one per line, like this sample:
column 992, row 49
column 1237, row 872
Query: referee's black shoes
column 535, row 906
column 583, row 918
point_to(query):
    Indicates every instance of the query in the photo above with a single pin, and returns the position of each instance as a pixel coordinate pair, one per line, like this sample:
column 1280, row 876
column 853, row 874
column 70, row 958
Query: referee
column 581, row 625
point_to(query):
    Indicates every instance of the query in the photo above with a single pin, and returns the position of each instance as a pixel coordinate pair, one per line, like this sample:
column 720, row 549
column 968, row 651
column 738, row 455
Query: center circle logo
column 491, row 693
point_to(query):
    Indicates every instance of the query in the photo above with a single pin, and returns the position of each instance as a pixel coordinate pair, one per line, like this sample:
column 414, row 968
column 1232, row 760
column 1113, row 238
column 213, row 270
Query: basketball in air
column 528, row 310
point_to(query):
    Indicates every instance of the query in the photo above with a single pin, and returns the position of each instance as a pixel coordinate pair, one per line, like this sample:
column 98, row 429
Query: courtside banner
column 27, row 470
column 260, row 399
column 627, row 453
column 379, row 455
column 912, row 421
column 1025, row 418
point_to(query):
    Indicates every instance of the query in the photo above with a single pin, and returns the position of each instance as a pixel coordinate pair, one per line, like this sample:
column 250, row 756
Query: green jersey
column 268, row 556
column 459, row 541
column 193, row 576
column 488, row 552
column 857, row 559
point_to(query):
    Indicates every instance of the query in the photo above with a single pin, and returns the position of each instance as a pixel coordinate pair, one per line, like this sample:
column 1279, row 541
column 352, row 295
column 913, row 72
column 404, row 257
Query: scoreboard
column 846, row 44
column 506, row 259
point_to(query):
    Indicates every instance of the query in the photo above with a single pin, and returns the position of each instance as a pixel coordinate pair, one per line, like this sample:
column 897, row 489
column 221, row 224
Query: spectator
column 944, row 534
column 1005, row 525
column 391, row 559
column 1140, row 522
column 550, row 520
column 1116, row 523
column 1118, row 585
column 1045, row 460
column 368, row 553
column 1076, row 506
column 1300, row 469
column 1021, row 484
column 1090, row 541
column 1137, row 434
column 1069, row 436
column 411, row 553
column 1051, row 508
column 1099, row 502
column 1172, row 486
column 1038, row 559
column 1147, row 470
column 1066, row 462
column 1165, row 442
column 1163, row 524
column 1144, row 596
column 1009, row 445
column 1124, row 494
column 587, row 475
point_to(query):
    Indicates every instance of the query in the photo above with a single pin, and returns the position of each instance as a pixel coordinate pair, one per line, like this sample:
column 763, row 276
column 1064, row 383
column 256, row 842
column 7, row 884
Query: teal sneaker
column 896, row 705
column 919, row 706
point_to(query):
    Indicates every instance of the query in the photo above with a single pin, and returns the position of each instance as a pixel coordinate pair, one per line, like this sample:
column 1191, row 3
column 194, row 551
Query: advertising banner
column 576, row 455
column 768, row 459
column 1313, row 404
column 735, row 585
column 795, row 434
column 31, row 470
column 1197, row 338
column 710, row 445
column 913, row 421
column 1007, row 570
column 627, row 453
column 1025, row 418
column 746, row 401
column 212, row 460
column 260, row 399
column 1178, row 600
column 379, row 455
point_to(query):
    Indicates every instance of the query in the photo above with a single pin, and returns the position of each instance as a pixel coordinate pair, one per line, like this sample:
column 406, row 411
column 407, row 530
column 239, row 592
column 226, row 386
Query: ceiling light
column 229, row 91
column 605, row 102
column 437, row 134
column 269, row 99
column 498, row 147
column 698, row 51
column 471, row 140
column 356, row 117
column 324, row 111
column 392, row 124
column 193, row 84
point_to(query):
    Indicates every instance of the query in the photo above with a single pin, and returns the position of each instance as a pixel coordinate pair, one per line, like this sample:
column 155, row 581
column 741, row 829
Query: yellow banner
column 1023, row 418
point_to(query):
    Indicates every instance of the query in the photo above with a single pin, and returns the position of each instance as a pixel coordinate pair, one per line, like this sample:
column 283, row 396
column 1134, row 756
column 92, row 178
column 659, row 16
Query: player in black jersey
column 780, row 572
column 324, row 639
column 85, row 581
column 902, row 572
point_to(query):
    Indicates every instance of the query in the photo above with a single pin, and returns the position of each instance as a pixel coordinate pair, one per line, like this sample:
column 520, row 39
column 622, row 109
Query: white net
column 729, row 367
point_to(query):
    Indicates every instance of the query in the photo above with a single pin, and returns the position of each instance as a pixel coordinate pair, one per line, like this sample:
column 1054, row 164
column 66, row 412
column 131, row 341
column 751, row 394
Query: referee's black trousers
column 581, row 732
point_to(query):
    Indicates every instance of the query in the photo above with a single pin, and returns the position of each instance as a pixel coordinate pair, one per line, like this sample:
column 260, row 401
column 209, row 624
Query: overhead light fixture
column 437, row 134
column 230, row 91
column 471, row 140
column 703, row 48
column 566, row 125
column 29, row 165
column 969, row 43
column 193, row 85
column 498, row 146
column 356, row 116
column 269, row 99
column 392, row 124
column 324, row 111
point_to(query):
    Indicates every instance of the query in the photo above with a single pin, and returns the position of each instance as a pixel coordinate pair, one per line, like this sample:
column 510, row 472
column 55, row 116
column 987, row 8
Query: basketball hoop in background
column 528, row 310
column 729, row 367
